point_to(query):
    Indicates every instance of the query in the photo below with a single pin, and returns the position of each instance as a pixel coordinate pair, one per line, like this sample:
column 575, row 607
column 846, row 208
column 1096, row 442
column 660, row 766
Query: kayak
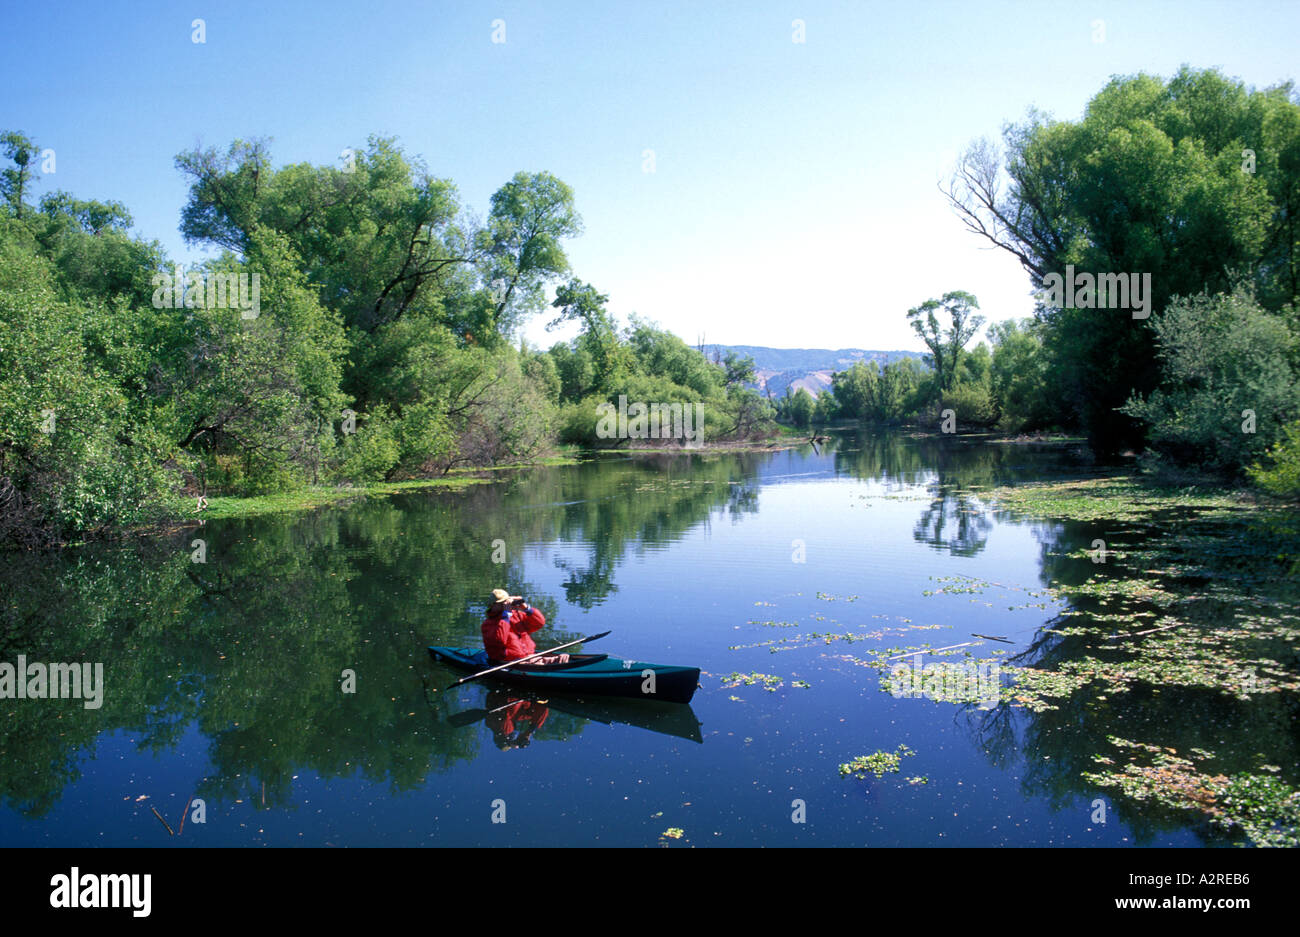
column 590, row 674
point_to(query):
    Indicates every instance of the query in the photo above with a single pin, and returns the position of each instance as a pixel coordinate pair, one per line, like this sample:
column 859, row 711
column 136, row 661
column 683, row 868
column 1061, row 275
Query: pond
column 280, row 688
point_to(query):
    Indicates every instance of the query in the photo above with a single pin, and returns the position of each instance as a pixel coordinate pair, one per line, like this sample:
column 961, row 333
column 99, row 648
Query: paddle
column 484, row 673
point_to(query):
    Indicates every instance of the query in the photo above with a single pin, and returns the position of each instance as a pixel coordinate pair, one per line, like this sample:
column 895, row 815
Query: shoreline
column 312, row 497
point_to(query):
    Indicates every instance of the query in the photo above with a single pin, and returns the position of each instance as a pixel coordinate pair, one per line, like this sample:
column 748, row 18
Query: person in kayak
column 508, row 630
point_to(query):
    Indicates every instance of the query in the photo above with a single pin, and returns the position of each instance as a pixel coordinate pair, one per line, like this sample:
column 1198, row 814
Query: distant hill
column 809, row 368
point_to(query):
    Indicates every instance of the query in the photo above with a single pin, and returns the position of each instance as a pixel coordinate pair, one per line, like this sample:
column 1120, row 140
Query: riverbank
column 222, row 507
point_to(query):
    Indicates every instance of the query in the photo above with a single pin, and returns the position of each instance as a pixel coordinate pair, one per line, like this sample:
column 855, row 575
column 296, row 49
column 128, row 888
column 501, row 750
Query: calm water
column 223, row 678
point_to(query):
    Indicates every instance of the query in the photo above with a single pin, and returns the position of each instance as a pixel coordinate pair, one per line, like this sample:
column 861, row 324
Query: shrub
column 1228, row 385
column 1282, row 477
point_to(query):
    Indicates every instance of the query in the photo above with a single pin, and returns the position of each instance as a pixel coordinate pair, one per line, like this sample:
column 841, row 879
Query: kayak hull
column 585, row 674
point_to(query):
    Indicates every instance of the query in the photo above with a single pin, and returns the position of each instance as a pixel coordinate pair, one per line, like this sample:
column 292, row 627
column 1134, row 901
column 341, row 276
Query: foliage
column 1229, row 383
column 946, row 344
column 878, row 763
column 1018, row 374
column 1282, row 475
column 800, row 409
column 1153, row 180
column 971, row 402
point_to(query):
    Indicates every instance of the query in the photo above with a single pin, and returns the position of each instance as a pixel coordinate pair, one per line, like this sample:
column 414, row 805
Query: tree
column 946, row 345
column 827, row 407
column 1229, row 386
column 72, row 457
column 855, row 390
column 581, row 302
column 1018, row 375
column 801, row 408
column 737, row 369
column 1154, row 179
column 901, row 390
column 379, row 239
column 530, row 215
column 15, row 180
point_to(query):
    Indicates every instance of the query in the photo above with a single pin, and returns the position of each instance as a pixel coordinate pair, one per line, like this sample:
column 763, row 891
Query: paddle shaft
column 484, row 673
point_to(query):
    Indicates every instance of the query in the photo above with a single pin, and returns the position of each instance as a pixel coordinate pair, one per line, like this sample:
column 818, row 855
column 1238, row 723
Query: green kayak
column 585, row 674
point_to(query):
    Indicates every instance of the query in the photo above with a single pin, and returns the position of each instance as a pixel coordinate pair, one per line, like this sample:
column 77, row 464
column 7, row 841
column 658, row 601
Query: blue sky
column 794, row 198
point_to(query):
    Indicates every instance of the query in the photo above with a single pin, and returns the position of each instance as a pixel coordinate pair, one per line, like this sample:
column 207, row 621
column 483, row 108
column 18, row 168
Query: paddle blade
column 466, row 718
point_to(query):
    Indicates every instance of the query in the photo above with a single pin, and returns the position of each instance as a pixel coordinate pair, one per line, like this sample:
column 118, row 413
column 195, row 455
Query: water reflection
column 508, row 713
column 231, row 671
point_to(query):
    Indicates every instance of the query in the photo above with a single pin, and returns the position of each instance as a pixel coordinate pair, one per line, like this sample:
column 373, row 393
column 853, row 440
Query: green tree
column 1018, row 374
column 1229, row 386
column 581, row 302
column 801, row 408
column 15, row 180
column 856, row 391
column 946, row 343
column 531, row 214
column 1154, row 179
column 827, row 408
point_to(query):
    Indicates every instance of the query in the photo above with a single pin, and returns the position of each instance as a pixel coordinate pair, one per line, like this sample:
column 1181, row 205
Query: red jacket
column 509, row 637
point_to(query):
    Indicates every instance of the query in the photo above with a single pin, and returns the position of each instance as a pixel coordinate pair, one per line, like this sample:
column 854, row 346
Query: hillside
column 809, row 368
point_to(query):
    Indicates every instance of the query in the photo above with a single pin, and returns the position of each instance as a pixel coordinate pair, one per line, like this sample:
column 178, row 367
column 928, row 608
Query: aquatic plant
column 1264, row 808
column 878, row 763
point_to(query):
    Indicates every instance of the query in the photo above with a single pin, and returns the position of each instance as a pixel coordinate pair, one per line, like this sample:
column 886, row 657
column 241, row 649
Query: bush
column 972, row 403
column 1228, row 385
column 577, row 423
column 249, row 473
column 1282, row 477
column 372, row 451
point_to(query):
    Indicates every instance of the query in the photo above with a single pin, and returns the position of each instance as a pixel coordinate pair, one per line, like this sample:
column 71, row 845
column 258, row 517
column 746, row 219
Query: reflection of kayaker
column 508, row 630
column 514, row 723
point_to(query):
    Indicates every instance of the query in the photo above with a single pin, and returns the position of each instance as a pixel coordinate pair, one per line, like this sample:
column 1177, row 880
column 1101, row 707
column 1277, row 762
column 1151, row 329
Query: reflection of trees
column 250, row 647
column 1057, row 745
column 955, row 521
column 895, row 458
column 643, row 503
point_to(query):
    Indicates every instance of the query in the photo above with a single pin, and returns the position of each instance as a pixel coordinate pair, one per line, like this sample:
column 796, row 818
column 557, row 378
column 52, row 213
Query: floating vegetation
column 943, row 682
column 878, row 763
column 921, row 779
column 797, row 641
column 1033, row 688
column 827, row 597
column 767, row 681
column 1116, row 498
column 955, row 584
column 1240, row 660
column 1265, row 809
